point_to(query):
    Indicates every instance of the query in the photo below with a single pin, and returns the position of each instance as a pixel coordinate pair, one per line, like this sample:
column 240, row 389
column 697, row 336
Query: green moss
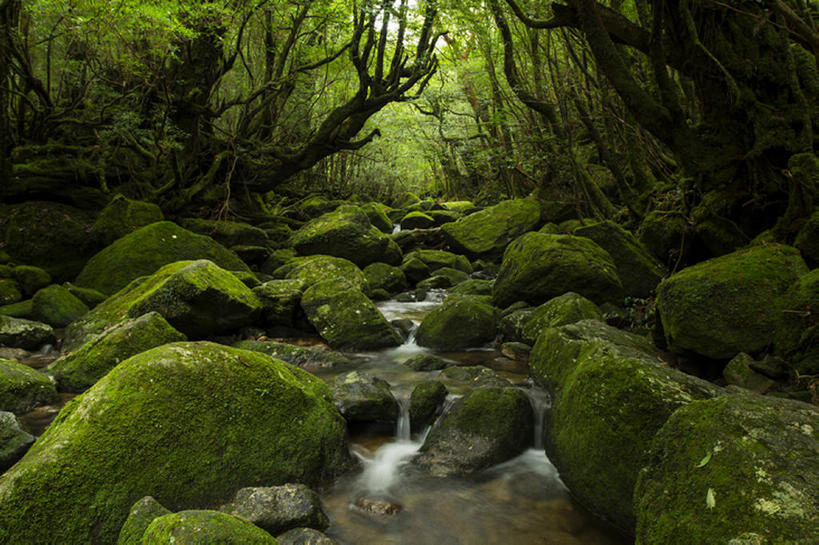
column 9, row 292
column 537, row 267
column 486, row 233
column 564, row 309
column 458, row 206
column 473, row 286
column 18, row 310
column 140, row 517
column 417, row 220
column 437, row 259
column 807, row 240
column 364, row 398
column 80, row 369
column 425, row 400
column 729, row 304
column 665, row 234
column 31, row 278
column 463, row 321
column 377, row 214
column 147, row 249
column 385, row 277
column 280, row 301
column 301, row 356
column 797, row 325
column 25, row 334
column 205, row 528
column 23, row 388
column 724, row 467
column 187, row 423
column 317, row 268
column 122, row 216
column 90, row 297
column 228, row 233
column 56, row 306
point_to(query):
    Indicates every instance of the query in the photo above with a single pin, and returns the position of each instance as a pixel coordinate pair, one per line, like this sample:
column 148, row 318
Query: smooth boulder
column 203, row 527
column 277, row 509
column 364, row 398
column 561, row 310
column 142, row 514
column 487, row 232
column 56, row 306
column 23, row 388
column 122, row 216
column 462, row 321
column 25, row 334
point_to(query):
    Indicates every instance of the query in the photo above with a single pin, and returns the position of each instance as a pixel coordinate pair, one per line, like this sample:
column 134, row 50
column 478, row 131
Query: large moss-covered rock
column 443, row 278
column 280, row 301
column 195, row 297
column 797, row 326
column 665, row 234
column 187, row 423
column 729, row 304
column 564, row 309
column 731, row 466
column 277, row 509
column 147, row 249
column 416, row 220
column 122, row 216
column 463, row 321
column 608, row 402
column 10, row 292
column 377, row 214
column 306, row 357
column 807, row 240
column 25, row 334
column 364, row 398
column 14, row 441
column 23, row 388
column 473, row 286
column 228, row 233
column 141, row 516
column 318, row 268
column 56, row 306
column 537, row 267
column 485, row 427
column 30, row 278
column 638, row 270
column 346, row 318
column 486, row 233
column 80, row 369
column 48, row 235
column 381, row 276
column 425, row 400
column 202, row 527
column 346, row 233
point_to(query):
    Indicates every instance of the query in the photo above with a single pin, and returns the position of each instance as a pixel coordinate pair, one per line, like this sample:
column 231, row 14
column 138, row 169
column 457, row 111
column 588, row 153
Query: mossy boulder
column 443, row 278
column 561, row 310
column 364, row 398
column 277, row 509
column 14, row 441
column 277, row 258
column 23, row 388
column 381, row 276
column 203, row 527
column 25, row 334
column 487, row 233
column 606, row 408
column 187, row 423
column 740, row 372
column 730, row 304
column 462, row 321
column 30, row 278
column 195, row 297
column 731, row 466
column 807, row 240
column 147, row 249
column 458, row 206
column 414, row 269
column 141, row 516
column 316, row 205
column 49, row 235
column 473, row 286
column 56, row 306
column 441, row 217
column 638, row 270
column 665, row 234
column 122, row 216
column 80, row 369
column 346, row 318
column 437, row 259
column 10, row 292
column 346, row 233
column 306, row 357
column 318, row 268
column 228, row 233
column 377, row 214
column 280, row 301
column 797, row 326
column 17, row 310
column 537, row 267
column 465, row 378
column 416, row 220
column 485, row 427
column 425, row 400
column 426, row 362
column 90, row 297
column 305, row 536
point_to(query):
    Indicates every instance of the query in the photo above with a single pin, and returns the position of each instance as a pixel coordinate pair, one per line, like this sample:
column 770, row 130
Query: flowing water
column 389, row 501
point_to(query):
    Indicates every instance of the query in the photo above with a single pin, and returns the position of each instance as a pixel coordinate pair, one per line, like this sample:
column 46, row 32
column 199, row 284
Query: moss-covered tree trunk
column 9, row 18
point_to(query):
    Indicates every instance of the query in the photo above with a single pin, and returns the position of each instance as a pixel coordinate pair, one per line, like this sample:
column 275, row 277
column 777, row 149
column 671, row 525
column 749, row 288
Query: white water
column 396, row 228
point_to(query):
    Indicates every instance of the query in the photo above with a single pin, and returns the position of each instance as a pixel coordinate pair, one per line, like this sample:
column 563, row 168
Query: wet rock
column 729, row 304
column 511, row 323
column 385, row 277
column 277, row 509
column 416, row 295
column 444, row 277
column 141, row 515
column 301, row 356
column 537, row 267
column 739, row 372
column 487, row 233
column 376, row 507
column 23, row 388
column 419, row 238
column 473, row 376
column 171, row 405
column 14, row 442
column 404, row 326
column 485, row 427
column 204, row 528
column 425, row 401
column 417, row 220
column 346, row 318
column 195, row 297
column 122, row 216
column 81, row 368
column 462, row 321
column 56, row 306
column 723, row 469
column 564, row 309
column 473, row 286
column 280, row 301
column 364, row 398
column 304, row 536
column 25, row 334
column 146, row 250
column 516, row 351
column 438, row 259
column 426, row 362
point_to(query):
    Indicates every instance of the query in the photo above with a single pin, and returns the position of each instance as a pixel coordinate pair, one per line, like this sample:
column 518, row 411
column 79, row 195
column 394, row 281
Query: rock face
column 56, row 306
column 797, row 327
column 187, row 423
column 609, row 399
column 463, row 321
column 195, row 297
column 729, row 304
column 346, row 318
column 732, row 466
column 25, row 334
column 486, row 233
column 14, row 441
column 204, row 528
column 564, row 309
column 346, row 232
column 364, row 398
column 147, row 249
column 638, row 270
column 485, row 427
column 537, row 267
column 122, row 216
column 23, row 388
column 78, row 370
column 141, row 516
column 277, row 509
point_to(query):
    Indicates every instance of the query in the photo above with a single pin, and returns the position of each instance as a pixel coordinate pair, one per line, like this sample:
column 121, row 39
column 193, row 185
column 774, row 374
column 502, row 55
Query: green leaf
column 705, row 460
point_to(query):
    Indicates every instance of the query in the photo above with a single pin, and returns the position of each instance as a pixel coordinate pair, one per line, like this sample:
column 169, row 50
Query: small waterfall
column 541, row 402
column 402, row 427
